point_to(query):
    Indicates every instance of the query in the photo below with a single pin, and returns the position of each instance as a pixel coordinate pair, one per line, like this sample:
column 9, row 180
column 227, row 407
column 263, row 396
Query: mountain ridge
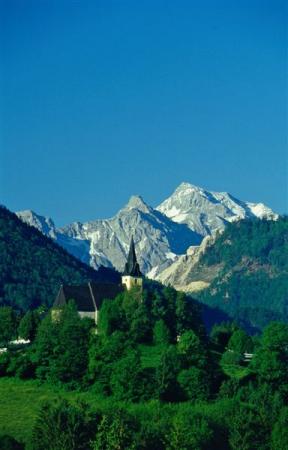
column 33, row 266
column 162, row 234
column 207, row 211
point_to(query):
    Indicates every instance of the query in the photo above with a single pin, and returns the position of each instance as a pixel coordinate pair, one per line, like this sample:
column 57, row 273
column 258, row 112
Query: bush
column 166, row 375
column 28, row 325
column 240, row 342
column 229, row 388
column 194, row 384
column 221, row 333
column 8, row 325
column 246, row 431
column 280, row 431
column 231, row 358
column 60, row 349
column 189, row 430
column 161, row 334
column 4, row 363
column 116, row 431
column 63, row 426
column 126, row 377
column 21, row 366
column 191, row 350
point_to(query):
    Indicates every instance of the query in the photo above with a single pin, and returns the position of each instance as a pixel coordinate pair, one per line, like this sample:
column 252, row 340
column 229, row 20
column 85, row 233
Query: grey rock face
column 77, row 247
column 158, row 240
column 161, row 235
column 43, row 224
column 205, row 212
column 154, row 234
column 186, row 274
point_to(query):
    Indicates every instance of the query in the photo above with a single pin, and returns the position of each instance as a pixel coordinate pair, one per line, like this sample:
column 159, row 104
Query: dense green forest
column 252, row 286
column 150, row 378
column 32, row 266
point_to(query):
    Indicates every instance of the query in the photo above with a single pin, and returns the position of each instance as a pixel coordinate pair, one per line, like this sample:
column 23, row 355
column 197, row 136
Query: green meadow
column 20, row 403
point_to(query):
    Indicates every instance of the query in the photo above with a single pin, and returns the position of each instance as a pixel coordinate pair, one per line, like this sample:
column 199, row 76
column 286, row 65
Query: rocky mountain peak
column 162, row 234
column 188, row 187
column 43, row 224
column 205, row 212
column 137, row 202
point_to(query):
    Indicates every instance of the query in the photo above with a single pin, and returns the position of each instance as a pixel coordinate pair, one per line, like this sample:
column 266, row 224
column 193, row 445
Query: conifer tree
column 28, row 325
column 161, row 334
column 8, row 324
column 166, row 374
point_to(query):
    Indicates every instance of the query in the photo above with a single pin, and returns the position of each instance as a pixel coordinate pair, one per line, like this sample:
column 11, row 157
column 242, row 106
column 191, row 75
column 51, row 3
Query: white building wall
column 131, row 282
column 91, row 315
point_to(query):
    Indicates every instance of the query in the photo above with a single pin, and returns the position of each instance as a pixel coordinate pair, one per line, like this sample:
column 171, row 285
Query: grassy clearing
column 20, row 402
column 235, row 371
column 151, row 354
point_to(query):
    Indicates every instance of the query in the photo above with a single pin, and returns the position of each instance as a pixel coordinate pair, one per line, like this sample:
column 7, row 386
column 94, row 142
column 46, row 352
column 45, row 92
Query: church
column 89, row 297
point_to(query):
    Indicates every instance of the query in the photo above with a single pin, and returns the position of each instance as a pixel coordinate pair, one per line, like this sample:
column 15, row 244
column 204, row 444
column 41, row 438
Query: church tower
column 132, row 276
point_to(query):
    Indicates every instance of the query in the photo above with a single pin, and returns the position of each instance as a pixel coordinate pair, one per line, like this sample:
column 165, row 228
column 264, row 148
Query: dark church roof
column 88, row 297
column 132, row 267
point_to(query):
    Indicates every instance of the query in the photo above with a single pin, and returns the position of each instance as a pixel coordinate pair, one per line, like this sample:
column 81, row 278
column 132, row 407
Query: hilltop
column 243, row 271
column 33, row 266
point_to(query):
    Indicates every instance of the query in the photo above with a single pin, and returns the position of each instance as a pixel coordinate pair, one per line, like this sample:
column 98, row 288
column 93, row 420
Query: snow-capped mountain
column 77, row 247
column 161, row 235
column 43, row 224
column 158, row 239
column 205, row 212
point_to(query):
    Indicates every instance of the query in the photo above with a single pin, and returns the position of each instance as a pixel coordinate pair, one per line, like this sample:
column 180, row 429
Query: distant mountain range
column 161, row 234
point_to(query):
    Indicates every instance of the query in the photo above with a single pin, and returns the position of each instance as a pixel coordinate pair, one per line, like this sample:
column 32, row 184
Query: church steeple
column 132, row 275
column 132, row 267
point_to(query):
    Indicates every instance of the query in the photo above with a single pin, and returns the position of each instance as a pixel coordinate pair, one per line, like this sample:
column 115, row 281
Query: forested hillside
column 150, row 378
column 32, row 266
column 252, row 285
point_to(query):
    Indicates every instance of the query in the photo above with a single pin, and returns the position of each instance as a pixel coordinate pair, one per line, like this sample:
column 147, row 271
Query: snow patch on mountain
column 43, row 224
column 262, row 211
column 158, row 239
column 205, row 212
column 162, row 235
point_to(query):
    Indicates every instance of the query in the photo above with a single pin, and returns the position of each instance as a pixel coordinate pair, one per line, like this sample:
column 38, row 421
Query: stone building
column 89, row 297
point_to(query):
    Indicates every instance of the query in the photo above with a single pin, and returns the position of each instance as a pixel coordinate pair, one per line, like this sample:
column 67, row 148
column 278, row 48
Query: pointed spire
column 132, row 267
column 132, row 254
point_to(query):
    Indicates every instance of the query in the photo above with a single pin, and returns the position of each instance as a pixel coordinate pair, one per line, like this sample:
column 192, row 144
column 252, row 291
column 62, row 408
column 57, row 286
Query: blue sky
column 104, row 99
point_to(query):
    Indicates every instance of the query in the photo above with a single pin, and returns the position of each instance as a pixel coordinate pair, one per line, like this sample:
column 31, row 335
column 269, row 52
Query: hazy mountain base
column 249, row 268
